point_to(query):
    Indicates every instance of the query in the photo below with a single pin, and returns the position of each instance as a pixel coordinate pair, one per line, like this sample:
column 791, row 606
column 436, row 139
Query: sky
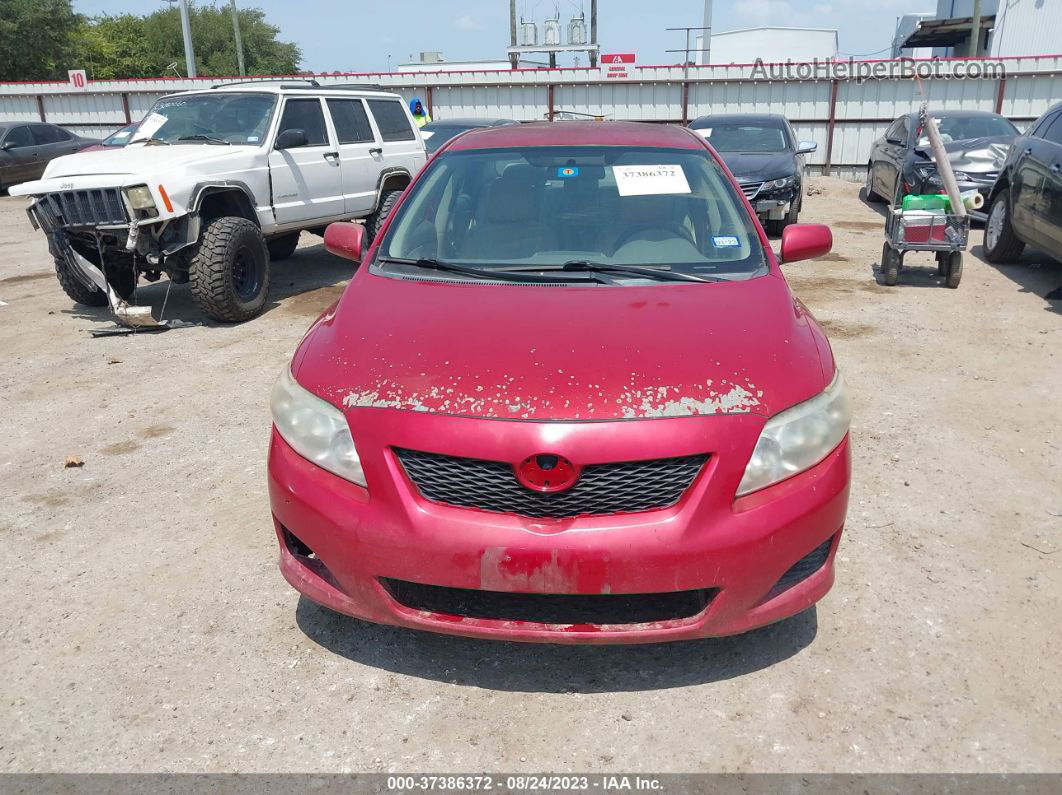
column 359, row 36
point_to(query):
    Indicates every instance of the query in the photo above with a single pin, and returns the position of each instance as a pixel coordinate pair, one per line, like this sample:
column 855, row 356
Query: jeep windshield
column 571, row 211
column 222, row 117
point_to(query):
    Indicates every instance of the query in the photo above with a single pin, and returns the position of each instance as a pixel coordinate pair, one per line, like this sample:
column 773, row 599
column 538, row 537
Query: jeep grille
column 95, row 207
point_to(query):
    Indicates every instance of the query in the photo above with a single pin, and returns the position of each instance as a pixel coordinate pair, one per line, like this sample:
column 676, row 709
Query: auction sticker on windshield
column 150, row 125
column 649, row 180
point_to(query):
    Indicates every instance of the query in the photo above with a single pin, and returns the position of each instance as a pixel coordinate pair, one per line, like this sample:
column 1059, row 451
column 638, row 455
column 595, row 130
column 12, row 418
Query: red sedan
column 568, row 397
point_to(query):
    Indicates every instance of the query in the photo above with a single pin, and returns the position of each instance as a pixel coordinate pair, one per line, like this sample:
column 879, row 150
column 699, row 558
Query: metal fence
column 843, row 114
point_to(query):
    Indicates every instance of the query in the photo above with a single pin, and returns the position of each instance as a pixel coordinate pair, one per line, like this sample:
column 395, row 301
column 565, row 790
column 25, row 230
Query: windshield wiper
column 431, row 263
column 150, row 141
column 589, row 266
column 208, row 138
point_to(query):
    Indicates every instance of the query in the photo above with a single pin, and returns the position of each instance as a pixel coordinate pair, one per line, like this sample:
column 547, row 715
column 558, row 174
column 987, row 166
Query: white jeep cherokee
column 216, row 183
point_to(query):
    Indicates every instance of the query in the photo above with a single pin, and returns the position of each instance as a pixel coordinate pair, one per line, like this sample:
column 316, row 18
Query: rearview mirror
column 345, row 239
column 805, row 241
column 292, row 139
column 804, row 147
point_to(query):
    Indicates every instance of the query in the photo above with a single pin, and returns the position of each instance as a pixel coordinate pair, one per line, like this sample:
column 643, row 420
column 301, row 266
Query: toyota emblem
column 546, row 473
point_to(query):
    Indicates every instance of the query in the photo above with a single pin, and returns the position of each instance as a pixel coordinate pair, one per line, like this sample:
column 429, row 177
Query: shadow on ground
column 547, row 668
column 305, row 284
column 1034, row 272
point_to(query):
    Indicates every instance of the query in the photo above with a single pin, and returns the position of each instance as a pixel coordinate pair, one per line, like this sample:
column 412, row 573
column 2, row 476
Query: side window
column 894, row 131
column 1039, row 127
column 350, row 120
column 1054, row 132
column 49, row 134
column 905, row 131
column 391, row 119
column 20, row 136
column 305, row 115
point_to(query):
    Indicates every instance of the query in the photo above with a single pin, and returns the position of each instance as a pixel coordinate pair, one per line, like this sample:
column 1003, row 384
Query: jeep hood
column 563, row 353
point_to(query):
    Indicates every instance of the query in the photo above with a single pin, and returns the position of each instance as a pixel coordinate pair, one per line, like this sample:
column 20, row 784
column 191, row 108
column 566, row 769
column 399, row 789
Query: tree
column 36, row 39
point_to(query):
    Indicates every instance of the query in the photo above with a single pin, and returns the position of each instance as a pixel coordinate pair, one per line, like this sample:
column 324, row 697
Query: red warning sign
column 617, row 66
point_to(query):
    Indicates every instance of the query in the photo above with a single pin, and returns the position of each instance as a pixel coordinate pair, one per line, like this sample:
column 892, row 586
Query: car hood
column 135, row 159
column 563, row 353
column 974, row 155
column 759, row 166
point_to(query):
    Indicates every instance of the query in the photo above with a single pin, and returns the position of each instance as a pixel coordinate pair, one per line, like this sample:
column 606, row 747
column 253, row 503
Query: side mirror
column 805, row 241
column 804, row 147
column 893, row 140
column 345, row 239
column 292, row 139
column 9, row 145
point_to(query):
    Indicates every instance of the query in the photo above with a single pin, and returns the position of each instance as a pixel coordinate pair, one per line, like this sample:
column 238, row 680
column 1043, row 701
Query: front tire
column 123, row 282
column 1000, row 243
column 376, row 220
column 229, row 273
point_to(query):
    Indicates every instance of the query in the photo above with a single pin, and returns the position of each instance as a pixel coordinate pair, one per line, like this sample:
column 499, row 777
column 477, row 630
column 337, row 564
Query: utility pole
column 514, row 58
column 593, row 33
column 186, row 31
column 239, row 39
column 706, row 26
column 975, row 31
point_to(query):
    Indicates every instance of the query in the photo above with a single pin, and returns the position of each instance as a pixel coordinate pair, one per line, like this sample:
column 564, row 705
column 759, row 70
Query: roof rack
column 352, row 87
column 284, row 82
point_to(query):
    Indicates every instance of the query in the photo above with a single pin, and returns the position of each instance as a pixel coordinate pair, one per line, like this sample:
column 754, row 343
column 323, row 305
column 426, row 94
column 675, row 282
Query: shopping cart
column 923, row 230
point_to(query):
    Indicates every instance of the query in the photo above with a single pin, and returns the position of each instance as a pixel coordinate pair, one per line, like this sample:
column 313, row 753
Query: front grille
column 94, row 207
column 750, row 189
column 803, row 568
column 549, row 608
column 601, row 489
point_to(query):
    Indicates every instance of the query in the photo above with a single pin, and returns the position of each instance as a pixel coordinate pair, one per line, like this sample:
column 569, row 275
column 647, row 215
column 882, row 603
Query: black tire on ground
column 868, row 191
column 229, row 272
column 954, row 270
column 1000, row 242
column 942, row 263
column 122, row 280
column 376, row 220
column 890, row 265
column 283, row 246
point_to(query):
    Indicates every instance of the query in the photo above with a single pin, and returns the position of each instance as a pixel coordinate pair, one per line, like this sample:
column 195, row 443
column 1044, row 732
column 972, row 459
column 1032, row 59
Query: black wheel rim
column 248, row 272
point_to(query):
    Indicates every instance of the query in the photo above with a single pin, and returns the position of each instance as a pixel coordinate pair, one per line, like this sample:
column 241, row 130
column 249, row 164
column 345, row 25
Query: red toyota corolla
column 568, row 397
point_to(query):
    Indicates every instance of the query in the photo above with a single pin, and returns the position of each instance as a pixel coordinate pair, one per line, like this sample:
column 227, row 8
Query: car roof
column 955, row 114
column 702, row 121
column 577, row 133
column 292, row 88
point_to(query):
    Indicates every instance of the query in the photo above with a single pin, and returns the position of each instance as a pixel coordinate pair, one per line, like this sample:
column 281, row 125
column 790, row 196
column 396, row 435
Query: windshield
column 440, row 134
column 225, row 117
column 119, row 137
column 734, row 137
column 964, row 128
column 503, row 209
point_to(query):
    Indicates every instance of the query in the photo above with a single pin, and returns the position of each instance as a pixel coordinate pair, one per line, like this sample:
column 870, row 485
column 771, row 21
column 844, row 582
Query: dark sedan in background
column 901, row 162
column 1026, row 202
column 436, row 133
column 765, row 157
column 25, row 149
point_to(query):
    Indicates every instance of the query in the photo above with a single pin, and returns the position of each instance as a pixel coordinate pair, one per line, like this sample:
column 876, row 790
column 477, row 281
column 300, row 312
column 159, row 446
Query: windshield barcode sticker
column 649, row 180
column 726, row 241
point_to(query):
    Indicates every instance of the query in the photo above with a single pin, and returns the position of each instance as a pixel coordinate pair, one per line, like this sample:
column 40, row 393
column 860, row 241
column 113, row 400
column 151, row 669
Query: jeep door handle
column 376, row 150
column 330, row 155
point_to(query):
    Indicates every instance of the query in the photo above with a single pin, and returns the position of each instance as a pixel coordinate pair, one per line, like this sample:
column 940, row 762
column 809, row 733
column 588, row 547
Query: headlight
column 316, row 430
column 798, row 438
column 775, row 184
column 140, row 197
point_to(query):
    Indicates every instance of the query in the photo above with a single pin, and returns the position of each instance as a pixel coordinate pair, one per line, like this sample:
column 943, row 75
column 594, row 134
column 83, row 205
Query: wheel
column 942, row 263
column 868, row 189
column 1001, row 244
column 954, row 270
column 229, row 272
column 282, row 246
column 376, row 220
column 122, row 280
column 890, row 265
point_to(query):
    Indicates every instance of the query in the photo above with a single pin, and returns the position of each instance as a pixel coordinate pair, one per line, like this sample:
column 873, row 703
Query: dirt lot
column 146, row 628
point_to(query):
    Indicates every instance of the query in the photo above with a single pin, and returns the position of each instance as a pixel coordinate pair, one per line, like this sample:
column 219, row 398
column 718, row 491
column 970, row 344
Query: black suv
column 1026, row 201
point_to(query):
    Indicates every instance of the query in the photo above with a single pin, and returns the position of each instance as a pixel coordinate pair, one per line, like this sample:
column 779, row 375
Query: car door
column 306, row 178
column 1050, row 221
column 887, row 155
column 1030, row 190
column 400, row 145
column 52, row 142
column 18, row 161
column 358, row 153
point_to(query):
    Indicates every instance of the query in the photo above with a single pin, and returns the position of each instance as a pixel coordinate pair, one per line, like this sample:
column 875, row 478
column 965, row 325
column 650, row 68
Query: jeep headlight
column 315, row 429
column 798, row 438
column 140, row 197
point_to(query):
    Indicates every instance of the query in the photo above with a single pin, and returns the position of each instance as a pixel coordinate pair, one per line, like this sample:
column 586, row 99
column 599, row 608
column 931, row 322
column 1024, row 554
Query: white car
column 216, row 183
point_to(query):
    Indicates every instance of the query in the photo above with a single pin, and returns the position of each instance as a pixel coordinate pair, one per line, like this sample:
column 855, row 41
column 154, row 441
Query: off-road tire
column 376, row 220
column 283, row 246
column 1008, row 247
column 229, row 246
column 124, row 285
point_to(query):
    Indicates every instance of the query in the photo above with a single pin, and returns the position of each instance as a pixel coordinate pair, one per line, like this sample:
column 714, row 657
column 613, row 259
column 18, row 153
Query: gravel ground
column 146, row 627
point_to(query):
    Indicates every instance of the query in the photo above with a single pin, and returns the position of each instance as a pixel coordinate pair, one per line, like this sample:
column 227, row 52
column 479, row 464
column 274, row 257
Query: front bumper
column 775, row 205
column 338, row 541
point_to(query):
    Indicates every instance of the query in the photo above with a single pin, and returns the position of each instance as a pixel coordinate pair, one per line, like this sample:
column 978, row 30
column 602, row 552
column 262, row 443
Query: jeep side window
column 305, row 115
column 391, row 119
column 350, row 120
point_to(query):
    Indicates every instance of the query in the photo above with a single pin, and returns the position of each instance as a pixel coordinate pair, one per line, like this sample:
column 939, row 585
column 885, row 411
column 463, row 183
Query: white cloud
column 466, row 22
